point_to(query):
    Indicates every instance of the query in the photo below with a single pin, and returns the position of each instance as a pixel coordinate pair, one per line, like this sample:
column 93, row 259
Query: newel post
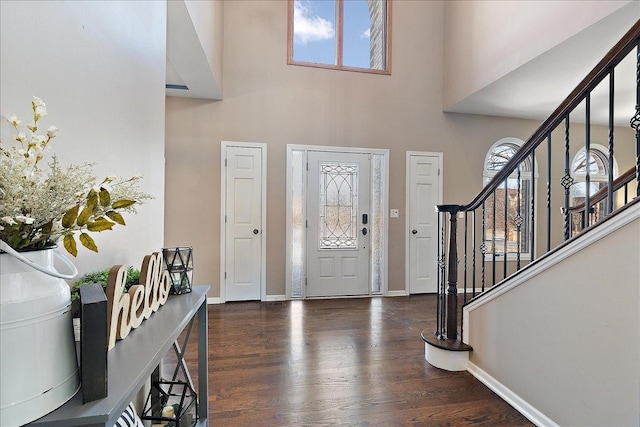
column 452, row 279
column 452, row 272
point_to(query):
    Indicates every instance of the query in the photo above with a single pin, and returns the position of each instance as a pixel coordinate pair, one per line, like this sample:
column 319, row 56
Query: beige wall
column 571, row 351
column 486, row 40
column 100, row 68
column 268, row 101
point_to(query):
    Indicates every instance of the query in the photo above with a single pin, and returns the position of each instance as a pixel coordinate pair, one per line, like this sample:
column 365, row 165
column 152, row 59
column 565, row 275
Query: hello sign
column 127, row 310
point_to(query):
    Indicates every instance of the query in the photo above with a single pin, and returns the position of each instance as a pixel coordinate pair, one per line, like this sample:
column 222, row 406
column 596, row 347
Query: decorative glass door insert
column 338, row 213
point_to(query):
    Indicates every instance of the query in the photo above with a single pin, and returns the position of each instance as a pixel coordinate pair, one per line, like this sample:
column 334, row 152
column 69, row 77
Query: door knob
column 414, row 231
column 364, row 231
column 255, row 231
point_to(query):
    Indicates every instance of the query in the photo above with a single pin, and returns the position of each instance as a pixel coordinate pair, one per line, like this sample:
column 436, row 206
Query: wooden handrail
column 618, row 183
column 628, row 42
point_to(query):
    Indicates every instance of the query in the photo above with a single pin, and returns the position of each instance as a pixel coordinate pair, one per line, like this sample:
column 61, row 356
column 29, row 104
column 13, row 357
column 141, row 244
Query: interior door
column 243, row 227
column 338, row 195
column 424, row 195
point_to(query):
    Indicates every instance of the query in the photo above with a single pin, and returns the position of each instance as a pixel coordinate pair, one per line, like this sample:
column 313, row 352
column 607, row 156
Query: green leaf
column 100, row 224
column 70, row 244
column 105, row 197
column 70, row 217
column 115, row 216
column 92, row 198
column 88, row 242
column 124, row 203
column 46, row 229
column 84, row 216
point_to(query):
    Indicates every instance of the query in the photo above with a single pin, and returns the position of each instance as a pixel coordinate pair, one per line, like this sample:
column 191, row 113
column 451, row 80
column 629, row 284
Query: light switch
column 395, row 213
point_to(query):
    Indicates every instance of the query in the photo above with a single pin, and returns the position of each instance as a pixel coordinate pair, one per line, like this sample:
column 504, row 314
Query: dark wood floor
column 341, row 362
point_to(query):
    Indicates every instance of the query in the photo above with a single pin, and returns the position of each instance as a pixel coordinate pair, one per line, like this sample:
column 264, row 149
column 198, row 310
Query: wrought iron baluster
column 518, row 220
column 635, row 121
column 506, row 226
column 452, row 279
column 464, row 262
column 566, row 182
column 493, row 240
column 473, row 252
column 532, row 191
column 609, row 207
column 483, row 245
column 549, row 188
column 587, row 149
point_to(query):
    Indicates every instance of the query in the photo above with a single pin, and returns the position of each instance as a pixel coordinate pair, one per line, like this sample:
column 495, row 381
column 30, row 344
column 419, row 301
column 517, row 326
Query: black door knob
column 364, row 231
column 414, row 231
column 255, row 231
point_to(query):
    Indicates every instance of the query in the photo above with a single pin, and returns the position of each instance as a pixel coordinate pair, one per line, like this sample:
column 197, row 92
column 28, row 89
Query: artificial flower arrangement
column 39, row 206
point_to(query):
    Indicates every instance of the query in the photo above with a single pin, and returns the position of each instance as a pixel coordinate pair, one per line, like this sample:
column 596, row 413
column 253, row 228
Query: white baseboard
column 213, row 300
column 521, row 405
column 400, row 293
column 276, row 298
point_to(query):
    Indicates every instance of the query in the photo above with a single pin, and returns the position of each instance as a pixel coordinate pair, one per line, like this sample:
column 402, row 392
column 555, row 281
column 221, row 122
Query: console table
column 133, row 360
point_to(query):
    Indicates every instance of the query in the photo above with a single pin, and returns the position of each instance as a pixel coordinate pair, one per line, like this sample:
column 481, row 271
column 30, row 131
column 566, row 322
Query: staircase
column 556, row 333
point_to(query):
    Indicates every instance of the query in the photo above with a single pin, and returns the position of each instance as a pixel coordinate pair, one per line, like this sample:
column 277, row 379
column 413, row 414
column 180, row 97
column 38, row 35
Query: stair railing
column 499, row 224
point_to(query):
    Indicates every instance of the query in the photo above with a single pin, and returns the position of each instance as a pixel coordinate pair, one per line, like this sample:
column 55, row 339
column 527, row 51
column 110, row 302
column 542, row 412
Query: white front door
column 243, row 226
column 424, row 183
column 338, row 223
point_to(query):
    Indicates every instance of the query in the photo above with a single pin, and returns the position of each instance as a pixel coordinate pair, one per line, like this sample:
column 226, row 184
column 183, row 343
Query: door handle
column 364, row 231
column 256, row 231
column 414, row 231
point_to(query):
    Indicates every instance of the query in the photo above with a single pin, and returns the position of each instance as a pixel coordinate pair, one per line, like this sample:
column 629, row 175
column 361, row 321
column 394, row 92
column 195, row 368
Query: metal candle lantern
column 179, row 262
column 172, row 404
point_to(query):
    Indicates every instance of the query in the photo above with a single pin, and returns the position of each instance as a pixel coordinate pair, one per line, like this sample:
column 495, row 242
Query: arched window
column 598, row 165
column 513, row 200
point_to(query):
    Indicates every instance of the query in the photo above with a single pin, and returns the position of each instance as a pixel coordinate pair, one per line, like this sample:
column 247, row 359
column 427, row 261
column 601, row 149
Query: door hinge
column 225, row 275
column 225, row 219
column 225, row 162
column 438, row 171
column 305, row 281
column 306, row 223
column 307, row 165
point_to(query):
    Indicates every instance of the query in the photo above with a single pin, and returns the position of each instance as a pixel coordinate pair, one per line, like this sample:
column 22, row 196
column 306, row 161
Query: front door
column 424, row 194
column 243, row 223
column 338, row 223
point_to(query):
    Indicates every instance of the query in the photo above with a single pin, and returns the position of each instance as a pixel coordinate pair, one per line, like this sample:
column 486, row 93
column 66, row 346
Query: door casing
column 384, row 153
column 263, row 226
column 439, row 157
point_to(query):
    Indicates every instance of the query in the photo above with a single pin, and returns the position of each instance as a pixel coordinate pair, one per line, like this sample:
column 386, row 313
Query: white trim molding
column 521, row 405
column 223, row 195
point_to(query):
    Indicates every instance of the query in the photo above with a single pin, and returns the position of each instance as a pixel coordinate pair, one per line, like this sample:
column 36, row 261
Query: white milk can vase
column 38, row 365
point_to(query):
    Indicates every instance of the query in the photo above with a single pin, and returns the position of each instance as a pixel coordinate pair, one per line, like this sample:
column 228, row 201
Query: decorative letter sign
column 127, row 310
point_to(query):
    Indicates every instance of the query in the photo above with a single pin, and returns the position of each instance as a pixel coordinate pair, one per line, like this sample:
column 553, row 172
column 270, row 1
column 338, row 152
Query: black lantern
column 179, row 262
column 172, row 404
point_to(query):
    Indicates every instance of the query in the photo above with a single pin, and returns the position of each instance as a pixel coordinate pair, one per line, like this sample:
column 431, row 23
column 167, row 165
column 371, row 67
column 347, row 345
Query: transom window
column 512, row 198
column 340, row 34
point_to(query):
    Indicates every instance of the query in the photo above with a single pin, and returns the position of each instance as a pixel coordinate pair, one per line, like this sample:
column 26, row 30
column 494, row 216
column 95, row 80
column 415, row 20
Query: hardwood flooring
column 339, row 362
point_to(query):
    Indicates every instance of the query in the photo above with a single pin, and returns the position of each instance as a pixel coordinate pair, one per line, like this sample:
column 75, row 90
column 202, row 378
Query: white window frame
column 531, row 176
column 601, row 151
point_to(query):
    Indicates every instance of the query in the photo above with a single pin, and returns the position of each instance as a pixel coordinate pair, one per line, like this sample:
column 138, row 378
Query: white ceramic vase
column 38, row 365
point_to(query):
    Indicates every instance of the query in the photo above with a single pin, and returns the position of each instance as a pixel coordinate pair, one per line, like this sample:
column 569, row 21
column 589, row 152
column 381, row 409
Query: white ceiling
column 537, row 88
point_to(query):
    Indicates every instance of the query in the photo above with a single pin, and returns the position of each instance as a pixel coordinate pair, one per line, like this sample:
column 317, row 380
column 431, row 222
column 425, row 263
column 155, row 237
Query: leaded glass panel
column 338, row 211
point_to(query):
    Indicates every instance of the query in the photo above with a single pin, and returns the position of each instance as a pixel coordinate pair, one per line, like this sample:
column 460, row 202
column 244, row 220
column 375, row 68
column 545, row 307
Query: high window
column 340, row 34
column 597, row 162
column 507, row 214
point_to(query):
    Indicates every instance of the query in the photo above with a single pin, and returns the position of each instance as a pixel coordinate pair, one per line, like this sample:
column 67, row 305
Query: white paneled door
column 424, row 186
column 243, row 225
column 338, row 223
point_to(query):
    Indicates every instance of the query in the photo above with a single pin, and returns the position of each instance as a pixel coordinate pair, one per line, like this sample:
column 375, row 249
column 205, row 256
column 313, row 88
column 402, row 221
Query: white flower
column 37, row 102
column 51, row 132
column 8, row 220
column 14, row 121
column 25, row 219
column 20, row 137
